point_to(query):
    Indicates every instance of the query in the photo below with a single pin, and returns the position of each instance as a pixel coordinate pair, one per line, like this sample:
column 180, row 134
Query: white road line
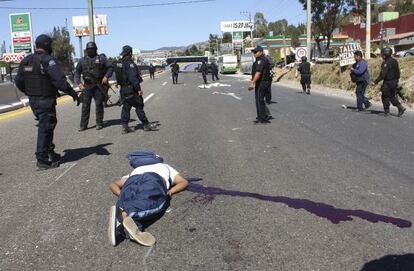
column 148, row 97
column 164, row 83
column 144, row 262
column 61, row 175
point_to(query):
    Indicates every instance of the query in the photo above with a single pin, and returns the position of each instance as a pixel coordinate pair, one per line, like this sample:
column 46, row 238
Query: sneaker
column 112, row 225
column 126, row 130
column 81, row 129
column 143, row 238
column 401, row 111
column 99, row 127
column 44, row 165
column 54, row 157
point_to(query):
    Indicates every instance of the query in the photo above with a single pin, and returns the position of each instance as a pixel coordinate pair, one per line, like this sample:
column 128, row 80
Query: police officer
column 204, row 72
column 128, row 77
column 214, row 71
column 390, row 75
column 152, row 71
column 175, row 69
column 261, row 82
column 40, row 77
column 95, row 70
column 305, row 75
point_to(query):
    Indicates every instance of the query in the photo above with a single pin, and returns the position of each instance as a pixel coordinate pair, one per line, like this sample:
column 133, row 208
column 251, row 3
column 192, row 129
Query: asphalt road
column 320, row 188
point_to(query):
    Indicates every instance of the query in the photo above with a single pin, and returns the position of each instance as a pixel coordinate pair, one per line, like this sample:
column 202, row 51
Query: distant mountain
column 178, row 48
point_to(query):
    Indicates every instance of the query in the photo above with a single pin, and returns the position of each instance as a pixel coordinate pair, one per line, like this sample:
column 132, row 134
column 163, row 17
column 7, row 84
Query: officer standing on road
column 40, row 77
column 175, row 69
column 305, row 75
column 390, row 75
column 204, row 72
column 152, row 71
column 96, row 70
column 261, row 82
column 128, row 77
column 215, row 71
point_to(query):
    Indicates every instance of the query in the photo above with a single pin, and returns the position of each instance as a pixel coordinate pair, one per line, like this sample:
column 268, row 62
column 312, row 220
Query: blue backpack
column 143, row 158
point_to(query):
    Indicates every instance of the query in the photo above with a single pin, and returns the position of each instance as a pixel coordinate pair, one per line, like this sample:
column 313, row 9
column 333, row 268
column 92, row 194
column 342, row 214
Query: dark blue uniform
column 93, row 70
column 263, row 86
column 204, row 72
column 130, row 93
column 215, row 71
column 152, row 71
column 175, row 69
column 40, row 77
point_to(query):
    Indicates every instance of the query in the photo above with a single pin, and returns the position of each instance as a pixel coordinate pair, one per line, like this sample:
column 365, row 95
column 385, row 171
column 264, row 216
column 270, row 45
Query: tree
column 213, row 42
column 227, row 38
column 260, row 25
column 62, row 49
column 327, row 15
column 194, row 50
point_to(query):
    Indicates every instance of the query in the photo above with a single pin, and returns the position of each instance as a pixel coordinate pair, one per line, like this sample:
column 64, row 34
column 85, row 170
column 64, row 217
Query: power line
column 111, row 7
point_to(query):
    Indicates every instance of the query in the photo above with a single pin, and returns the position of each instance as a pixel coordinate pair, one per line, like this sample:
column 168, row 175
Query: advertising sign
column 226, row 48
column 21, row 33
column 236, row 26
column 237, row 36
column 346, row 55
column 81, row 25
column 300, row 52
column 13, row 57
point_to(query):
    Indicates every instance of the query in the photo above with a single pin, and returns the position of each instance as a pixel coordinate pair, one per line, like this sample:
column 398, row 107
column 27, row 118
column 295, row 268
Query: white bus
column 246, row 63
column 227, row 63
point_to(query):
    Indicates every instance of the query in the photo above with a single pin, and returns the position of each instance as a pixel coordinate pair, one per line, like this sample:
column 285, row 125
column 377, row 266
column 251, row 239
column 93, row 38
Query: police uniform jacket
column 40, row 75
column 93, row 69
column 390, row 71
column 262, row 65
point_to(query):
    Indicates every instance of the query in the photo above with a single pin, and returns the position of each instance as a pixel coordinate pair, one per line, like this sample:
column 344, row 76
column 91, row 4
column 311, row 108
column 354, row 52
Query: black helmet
column 44, row 42
column 387, row 51
column 304, row 58
column 91, row 45
column 126, row 50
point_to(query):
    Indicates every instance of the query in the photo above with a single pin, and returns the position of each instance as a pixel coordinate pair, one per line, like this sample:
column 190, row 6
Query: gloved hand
column 75, row 98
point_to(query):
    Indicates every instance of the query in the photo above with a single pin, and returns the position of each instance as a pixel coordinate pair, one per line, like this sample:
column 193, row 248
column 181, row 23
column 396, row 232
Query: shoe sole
column 112, row 226
column 143, row 238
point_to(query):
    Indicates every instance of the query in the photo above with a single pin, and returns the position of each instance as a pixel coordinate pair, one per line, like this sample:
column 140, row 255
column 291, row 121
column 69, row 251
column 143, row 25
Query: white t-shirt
column 164, row 170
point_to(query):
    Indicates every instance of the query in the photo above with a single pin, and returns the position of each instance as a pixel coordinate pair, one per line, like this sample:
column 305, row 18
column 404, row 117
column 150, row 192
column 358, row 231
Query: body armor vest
column 36, row 81
column 92, row 70
column 120, row 73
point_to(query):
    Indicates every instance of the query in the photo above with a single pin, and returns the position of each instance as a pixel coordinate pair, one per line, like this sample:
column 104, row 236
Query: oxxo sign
column 346, row 55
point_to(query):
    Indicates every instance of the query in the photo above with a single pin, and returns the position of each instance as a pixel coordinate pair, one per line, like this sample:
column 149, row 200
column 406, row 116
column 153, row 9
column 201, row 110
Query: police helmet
column 126, row 50
column 386, row 51
column 44, row 42
column 304, row 58
column 91, row 45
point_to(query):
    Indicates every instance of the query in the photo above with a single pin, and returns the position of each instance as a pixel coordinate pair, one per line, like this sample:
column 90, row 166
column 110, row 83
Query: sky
column 147, row 28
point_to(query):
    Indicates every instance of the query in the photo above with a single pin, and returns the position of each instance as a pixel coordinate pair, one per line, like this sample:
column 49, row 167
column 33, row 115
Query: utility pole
column 91, row 21
column 308, row 29
column 368, row 32
column 284, row 44
column 251, row 24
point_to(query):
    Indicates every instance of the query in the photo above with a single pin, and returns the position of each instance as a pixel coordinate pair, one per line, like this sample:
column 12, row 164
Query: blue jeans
column 360, row 94
column 44, row 108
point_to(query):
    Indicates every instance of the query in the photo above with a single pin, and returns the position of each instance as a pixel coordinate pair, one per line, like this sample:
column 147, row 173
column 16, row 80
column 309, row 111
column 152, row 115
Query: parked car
column 404, row 53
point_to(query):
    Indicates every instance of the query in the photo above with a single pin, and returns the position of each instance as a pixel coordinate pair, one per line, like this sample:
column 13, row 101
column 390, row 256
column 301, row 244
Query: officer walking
column 95, row 70
column 305, row 75
column 390, row 75
column 204, row 72
column 215, row 71
column 261, row 82
column 128, row 77
column 175, row 69
column 152, row 71
column 40, row 77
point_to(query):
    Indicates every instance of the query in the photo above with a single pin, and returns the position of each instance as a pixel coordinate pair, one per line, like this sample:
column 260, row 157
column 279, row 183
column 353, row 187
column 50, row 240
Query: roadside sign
column 21, row 32
column 346, row 55
column 13, row 57
column 237, row 36
column 81, row 25
column 300, row 52
column 236, row 26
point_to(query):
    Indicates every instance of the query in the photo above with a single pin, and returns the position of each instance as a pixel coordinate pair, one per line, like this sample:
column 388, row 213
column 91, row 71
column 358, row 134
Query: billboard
column 21, row 33
column 81, row 25
column 236, row 26
column 346, row 54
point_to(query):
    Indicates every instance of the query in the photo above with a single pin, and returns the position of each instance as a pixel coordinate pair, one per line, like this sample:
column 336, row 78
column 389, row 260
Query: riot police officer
column 214, row 71
column 95, row 70
column 152, row 71
column 175, row 69
column 261, row 82
column 128, row 77
column 390, row 75
column 40, row 77
column 204, row 72
column 305, row 75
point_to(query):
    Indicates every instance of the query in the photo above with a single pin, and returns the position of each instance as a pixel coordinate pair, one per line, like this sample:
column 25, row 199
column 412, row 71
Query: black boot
column 126, row 130
column 54, row 157
column 44, row 164
column 401, row 110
